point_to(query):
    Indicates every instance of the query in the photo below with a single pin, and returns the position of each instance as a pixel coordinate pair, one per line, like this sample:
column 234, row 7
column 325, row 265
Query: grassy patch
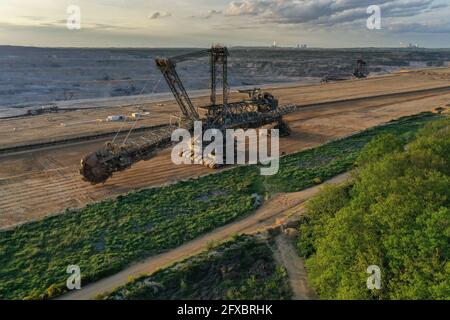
column 105, row 237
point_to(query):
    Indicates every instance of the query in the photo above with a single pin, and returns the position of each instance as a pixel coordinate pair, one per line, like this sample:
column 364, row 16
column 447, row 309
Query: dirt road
column 287, row 256
column 273, row 210
column 52, row 174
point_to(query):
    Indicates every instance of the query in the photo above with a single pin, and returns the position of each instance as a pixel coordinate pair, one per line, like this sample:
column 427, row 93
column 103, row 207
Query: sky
column 199, row 23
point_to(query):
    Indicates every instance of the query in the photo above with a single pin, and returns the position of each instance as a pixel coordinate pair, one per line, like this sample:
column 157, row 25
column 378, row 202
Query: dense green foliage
column 105, row 237
column 395, row 215
column 305, row 169
column 243, row 268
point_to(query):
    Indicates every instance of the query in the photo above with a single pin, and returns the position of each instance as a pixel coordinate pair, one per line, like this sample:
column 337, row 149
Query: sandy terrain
column 287, row 255
column 47, row 127
column 275, row 209
column 38, row 183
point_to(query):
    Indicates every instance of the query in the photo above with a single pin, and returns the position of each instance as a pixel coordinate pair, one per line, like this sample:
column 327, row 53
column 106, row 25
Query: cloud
column 107, row 27
column 159, row 15
column 61, row 24
column 250, row 7
column 420, row 28
column 440, row 6
column 33, row 18
column 324, row 12
column 210, row 14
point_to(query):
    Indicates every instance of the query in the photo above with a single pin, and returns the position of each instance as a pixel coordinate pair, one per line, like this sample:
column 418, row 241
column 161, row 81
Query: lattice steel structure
column 260, row 109
column 360, row 70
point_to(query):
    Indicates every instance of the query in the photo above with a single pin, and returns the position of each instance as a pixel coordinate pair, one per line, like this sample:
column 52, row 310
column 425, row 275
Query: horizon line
column 231, row 46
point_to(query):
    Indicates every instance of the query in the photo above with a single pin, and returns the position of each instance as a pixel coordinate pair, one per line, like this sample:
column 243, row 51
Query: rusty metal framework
column 260, row 109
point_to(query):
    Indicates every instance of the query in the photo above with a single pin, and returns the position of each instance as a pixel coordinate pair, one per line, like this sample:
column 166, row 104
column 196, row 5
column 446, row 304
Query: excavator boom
column 167, row 67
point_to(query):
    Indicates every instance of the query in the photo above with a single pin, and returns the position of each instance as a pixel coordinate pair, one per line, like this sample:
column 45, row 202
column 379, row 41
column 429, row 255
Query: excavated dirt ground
column 35, row 184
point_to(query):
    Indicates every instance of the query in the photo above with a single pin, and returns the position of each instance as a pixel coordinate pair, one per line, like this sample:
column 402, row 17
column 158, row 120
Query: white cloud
column 324, row 12
column 420, row 27
column 210, row 14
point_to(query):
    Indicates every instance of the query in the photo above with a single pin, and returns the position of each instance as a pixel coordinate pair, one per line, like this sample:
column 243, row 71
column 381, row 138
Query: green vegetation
column 243, row 268
column 305, row 169
column 395, row 214
column 106, row 237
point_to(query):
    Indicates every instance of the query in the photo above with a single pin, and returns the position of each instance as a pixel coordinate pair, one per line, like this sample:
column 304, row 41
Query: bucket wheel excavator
column 360, row 71
column 259, row 109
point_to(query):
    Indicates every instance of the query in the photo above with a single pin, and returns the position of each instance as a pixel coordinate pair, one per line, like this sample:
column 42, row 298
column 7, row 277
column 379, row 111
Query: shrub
column 397, row 217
